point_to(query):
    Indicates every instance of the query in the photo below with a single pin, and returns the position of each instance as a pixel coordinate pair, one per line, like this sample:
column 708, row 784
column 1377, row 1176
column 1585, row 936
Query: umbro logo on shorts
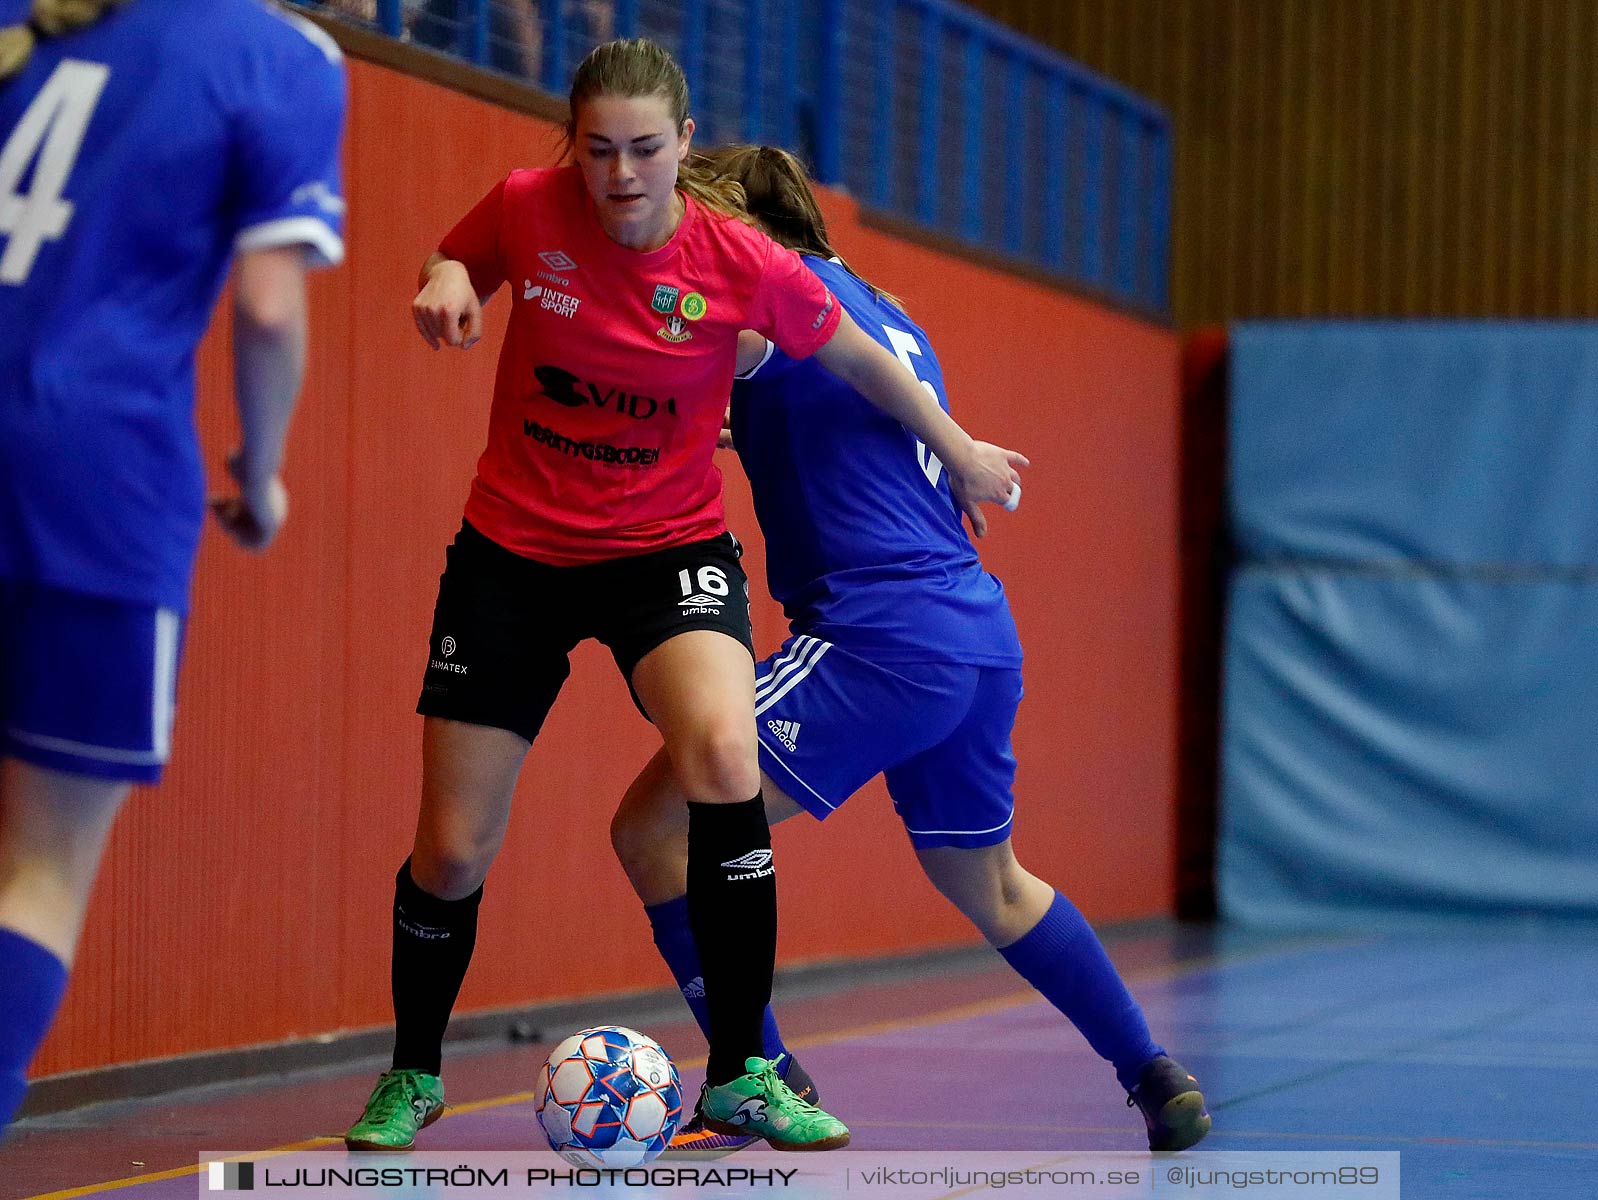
column 754, row 865
column 700, row 605
column 786, row 732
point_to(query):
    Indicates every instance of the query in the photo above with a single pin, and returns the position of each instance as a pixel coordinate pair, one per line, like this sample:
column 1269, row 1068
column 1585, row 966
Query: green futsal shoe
column 402, row 1103
column 760, row 1103
column 694, row 1140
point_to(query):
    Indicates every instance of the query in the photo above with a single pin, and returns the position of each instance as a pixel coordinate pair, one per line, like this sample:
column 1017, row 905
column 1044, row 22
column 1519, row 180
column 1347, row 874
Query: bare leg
column 990, row 887
column 468, row 779
column 53, row 830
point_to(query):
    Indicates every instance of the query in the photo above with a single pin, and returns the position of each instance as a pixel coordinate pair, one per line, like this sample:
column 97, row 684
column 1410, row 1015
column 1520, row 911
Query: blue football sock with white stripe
column 1063, row 958
column 32, row 982
column 674, row 938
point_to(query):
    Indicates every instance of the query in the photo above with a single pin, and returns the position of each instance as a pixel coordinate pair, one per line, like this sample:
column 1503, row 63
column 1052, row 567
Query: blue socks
column 1063, row 958
column 32, row 982
column 674, row 938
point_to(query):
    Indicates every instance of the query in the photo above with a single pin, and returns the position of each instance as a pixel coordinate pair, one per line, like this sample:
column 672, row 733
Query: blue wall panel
column 1432, row 442
column 1411, row 700
column 1409, row 745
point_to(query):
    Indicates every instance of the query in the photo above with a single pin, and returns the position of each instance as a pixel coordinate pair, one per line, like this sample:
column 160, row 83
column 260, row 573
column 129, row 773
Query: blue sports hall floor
column 1471, row 1052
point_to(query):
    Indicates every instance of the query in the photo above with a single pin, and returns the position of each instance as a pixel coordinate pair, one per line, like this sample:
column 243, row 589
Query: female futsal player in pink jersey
column 597, row 512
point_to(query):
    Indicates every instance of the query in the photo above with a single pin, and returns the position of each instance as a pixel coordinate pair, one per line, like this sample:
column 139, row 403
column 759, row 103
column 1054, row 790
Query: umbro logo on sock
column 787, row 732
column 427, row 933
column 754, row 865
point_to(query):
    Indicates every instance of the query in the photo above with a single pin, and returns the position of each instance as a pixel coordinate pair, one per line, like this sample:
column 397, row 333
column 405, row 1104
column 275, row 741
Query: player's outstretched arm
column 269, row 338
column 979, row 472
column 447, row 309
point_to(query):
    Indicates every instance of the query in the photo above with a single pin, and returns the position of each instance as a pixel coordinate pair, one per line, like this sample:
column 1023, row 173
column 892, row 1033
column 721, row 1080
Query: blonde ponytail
column 775, row 191
column 716, row 192
column 49, row 18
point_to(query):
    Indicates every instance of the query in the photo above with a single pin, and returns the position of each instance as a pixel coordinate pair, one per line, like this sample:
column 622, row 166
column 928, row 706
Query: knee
column 993, row 891
column 454, row 863
column 1014, row 886
column 449, row 877
column 718, row 763
column 1021, row 899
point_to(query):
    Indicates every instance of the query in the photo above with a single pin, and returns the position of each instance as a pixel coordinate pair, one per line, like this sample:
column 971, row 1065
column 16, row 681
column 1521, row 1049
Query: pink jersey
column 617, row 366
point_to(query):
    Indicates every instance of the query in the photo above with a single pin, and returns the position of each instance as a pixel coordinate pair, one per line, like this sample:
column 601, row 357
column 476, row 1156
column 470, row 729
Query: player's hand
column 988, row 476
column 724, row 438
column 253, row 517
column 447, row 310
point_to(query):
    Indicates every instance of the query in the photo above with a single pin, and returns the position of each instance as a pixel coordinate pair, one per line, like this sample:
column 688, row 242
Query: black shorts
column 504, row 625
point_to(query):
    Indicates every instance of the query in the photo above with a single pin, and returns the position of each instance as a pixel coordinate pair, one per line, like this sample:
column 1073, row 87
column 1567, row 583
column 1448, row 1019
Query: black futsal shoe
column 1171, row 1103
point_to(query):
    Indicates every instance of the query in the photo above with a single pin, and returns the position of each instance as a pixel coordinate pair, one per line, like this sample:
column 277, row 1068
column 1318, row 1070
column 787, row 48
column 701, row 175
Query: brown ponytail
column 49, row 18
column 777, row 194
column 639, row 67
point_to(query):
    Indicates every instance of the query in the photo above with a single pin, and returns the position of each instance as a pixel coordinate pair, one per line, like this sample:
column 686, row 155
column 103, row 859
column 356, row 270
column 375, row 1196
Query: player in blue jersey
column 898, row 631
column 144, row 145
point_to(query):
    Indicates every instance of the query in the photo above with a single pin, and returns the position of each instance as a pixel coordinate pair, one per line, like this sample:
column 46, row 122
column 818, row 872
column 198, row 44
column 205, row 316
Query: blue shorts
column 87, row 685
column 829, row 721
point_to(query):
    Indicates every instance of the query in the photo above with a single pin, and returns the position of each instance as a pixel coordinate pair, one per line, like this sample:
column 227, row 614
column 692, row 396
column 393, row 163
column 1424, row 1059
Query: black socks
column 433, row 942
column 732, row 907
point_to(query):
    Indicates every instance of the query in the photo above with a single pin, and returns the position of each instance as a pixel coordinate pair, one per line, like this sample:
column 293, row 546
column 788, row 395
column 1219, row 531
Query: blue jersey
column 864, row 545
column 136, row 156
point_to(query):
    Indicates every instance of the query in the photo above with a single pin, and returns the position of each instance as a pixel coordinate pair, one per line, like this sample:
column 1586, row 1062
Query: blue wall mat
column 1414, row 745
column 1410, row 716
column 1450, row 443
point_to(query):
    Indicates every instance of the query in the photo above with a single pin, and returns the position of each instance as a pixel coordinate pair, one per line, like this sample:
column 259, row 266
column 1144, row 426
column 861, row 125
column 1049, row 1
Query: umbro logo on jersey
column 787, row 732
column 557, row 260
column 754, row 865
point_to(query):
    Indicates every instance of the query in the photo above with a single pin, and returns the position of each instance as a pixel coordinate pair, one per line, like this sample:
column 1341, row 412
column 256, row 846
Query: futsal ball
column 609, row 1097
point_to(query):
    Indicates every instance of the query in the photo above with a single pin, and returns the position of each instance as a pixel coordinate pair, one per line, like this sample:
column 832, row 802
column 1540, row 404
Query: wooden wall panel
column 1363, row 157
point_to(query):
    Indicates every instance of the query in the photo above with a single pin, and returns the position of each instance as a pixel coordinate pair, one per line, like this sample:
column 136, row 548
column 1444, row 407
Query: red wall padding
column 247, row 899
